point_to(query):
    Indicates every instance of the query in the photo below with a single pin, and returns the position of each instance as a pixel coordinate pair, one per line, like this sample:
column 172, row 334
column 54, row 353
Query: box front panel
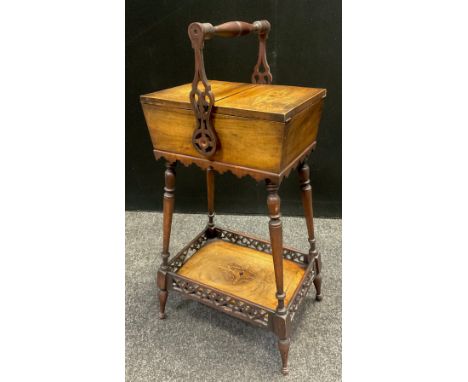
column 243, row 142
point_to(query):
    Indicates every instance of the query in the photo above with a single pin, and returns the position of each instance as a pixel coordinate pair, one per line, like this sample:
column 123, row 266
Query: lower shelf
column 233, row 272
column 242, row 272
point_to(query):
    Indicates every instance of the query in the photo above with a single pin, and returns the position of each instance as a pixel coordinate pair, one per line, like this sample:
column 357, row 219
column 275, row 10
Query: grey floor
column 197, row 343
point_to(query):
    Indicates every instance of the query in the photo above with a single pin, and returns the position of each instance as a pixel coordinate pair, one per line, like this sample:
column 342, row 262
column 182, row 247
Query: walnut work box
column 263, row 129
column 255, row 129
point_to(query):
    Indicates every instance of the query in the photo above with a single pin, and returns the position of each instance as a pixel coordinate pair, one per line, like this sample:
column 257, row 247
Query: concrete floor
column 197, row 343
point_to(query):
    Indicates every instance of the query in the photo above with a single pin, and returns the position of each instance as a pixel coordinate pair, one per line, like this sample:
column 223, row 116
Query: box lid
column 269, row 102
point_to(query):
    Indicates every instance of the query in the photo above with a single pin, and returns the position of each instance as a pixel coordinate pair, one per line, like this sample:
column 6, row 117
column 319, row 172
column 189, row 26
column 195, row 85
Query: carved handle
column 204, row 138
column 235, row 29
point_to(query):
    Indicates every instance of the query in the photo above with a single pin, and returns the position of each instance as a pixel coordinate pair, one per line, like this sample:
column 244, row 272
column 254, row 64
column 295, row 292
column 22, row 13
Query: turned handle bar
column 229, row 29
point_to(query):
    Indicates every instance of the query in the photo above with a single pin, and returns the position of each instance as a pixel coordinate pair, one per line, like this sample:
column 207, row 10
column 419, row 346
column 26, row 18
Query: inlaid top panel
column 270, row 102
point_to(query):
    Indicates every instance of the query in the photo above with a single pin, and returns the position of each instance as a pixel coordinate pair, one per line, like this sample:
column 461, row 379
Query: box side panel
column 300, row 132
column 244, row 142
column 169, row 129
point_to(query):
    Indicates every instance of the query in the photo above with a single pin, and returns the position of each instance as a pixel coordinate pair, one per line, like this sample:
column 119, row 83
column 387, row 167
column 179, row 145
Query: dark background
column 303, row 49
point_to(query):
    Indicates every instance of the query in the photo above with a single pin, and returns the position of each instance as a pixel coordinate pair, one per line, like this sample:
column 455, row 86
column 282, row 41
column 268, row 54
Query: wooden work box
column 266, row 128
column 257, row 129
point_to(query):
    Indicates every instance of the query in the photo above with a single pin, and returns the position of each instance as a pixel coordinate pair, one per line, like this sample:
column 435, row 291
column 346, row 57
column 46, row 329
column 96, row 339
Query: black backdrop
column 304, row 49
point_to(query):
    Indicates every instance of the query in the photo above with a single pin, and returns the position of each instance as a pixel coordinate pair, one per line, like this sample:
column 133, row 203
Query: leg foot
column 162, row 304
column 283, row 346
column 318, row 287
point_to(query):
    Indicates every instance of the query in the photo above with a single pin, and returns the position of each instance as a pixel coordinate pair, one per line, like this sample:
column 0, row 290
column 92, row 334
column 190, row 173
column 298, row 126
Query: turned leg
column 210, row 188
column 276, row 237
column 168, row 210
column 306, row 195
column 281, row 322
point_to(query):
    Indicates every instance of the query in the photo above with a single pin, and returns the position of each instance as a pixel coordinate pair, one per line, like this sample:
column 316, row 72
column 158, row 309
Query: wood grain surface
column 269, row 102
column 242, row 272
column 179, row 96
column 300, row 132
column 171, row 130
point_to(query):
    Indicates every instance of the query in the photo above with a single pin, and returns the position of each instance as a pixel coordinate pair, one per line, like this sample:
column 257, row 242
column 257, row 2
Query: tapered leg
column 168, row 210
column 306, row 194
column 276, row 237
column 281, row 327
column 161, row 282
column 210, row 188
column 283, row 346
column 318, row 287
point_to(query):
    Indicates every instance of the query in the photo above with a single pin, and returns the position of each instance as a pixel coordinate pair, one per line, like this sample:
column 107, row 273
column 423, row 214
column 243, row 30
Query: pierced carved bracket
column 261, row 73
column 204, row 138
